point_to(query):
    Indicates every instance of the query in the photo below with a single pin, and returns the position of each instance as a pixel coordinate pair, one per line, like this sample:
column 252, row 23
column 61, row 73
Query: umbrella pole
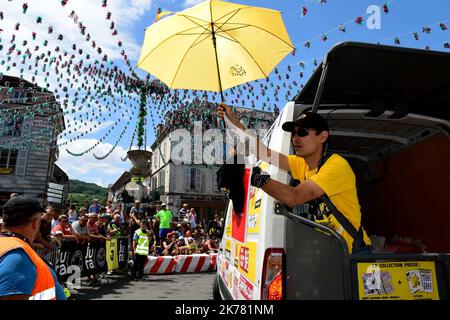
column 217, row 60
column 218, row 71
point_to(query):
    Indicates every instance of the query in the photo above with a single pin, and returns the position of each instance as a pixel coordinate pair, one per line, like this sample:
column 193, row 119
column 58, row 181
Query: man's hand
column 223, row 110
column 259, row 178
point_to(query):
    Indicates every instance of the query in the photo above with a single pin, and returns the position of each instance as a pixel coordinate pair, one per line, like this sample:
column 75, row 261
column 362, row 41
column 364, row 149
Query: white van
column 388, row 109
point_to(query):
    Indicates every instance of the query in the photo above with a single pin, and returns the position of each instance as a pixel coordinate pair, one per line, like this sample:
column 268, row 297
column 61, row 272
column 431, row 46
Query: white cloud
column 89, row 169
column 125, row 14
column 191, row 3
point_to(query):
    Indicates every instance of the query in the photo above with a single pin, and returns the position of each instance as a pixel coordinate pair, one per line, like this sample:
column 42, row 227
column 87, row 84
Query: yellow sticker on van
column 246, row 257
column 228, row 249
column 228, row 230
column 398, row 280
column 255, row 206
column 254, row 211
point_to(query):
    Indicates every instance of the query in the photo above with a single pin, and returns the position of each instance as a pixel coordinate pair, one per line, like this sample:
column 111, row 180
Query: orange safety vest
column 44, row 287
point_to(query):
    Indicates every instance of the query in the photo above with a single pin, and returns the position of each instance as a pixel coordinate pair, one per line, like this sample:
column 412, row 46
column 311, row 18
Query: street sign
column 54, row 200
column 55, row 192
column 56, row 186
column 137, row 179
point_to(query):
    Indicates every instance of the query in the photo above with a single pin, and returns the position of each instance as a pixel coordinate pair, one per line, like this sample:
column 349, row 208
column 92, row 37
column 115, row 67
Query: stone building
column 30, row 121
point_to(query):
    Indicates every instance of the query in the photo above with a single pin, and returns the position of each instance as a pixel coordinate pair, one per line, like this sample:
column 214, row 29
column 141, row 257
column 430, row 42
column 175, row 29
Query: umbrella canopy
column 214, row 46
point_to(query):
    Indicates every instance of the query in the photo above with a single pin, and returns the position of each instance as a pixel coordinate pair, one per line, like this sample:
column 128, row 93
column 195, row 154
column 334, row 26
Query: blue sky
column 133, row 16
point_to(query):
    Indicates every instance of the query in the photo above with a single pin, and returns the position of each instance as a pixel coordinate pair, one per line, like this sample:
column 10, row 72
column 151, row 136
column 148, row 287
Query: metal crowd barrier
column 70, row 259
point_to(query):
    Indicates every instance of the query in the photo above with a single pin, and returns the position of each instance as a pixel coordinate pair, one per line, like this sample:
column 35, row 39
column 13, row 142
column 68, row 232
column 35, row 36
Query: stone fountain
column 141, row 161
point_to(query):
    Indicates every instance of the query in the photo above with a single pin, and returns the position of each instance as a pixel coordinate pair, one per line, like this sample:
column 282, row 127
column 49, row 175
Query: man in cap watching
column 136, row 209
column 95, row 207
column 23, row 274
column 328, row 183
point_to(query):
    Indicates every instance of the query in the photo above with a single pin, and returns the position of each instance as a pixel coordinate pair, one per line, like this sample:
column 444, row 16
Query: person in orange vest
column 23, row 274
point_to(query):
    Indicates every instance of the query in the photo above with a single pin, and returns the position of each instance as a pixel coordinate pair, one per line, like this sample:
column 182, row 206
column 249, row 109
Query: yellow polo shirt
column 337, row 180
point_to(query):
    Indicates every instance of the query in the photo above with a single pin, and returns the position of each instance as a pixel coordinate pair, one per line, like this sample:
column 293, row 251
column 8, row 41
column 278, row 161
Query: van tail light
column 273, row 282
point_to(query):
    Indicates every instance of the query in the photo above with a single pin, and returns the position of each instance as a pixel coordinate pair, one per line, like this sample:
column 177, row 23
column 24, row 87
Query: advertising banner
column 82, row 260
column 112, row 257
column 406, row 280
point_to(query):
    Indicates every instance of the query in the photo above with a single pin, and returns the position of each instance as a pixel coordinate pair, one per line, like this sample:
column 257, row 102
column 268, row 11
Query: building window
column 19, row 94
column 8, row 158
column 12, row 127
column 216, row 188
column 162, row 180
column 187, row 175
column 192, row 179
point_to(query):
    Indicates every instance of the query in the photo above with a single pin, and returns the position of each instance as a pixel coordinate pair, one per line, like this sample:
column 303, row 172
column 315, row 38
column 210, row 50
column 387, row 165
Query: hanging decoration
column 93, row 89
column 426, row 30
column 141, row 117
column 304, row 11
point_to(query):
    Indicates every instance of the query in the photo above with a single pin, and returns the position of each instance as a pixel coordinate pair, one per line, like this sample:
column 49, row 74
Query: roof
column 383, row 78
column 123, row 180
column 14, row 81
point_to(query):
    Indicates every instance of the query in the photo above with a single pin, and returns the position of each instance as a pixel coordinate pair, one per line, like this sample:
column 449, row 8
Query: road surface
column 187, row 286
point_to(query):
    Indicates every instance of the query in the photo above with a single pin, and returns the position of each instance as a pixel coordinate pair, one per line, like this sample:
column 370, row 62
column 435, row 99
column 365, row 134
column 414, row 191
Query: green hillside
column 80, row 191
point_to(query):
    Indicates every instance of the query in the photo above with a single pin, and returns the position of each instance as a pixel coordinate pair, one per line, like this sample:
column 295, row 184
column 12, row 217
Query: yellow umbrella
column 214, row 46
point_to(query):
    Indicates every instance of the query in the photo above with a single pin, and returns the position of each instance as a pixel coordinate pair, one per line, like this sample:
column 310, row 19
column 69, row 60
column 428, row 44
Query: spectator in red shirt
column 63, row 230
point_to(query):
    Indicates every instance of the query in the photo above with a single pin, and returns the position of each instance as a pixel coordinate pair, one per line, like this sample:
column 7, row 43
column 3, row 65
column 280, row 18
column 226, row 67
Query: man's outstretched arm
column 263, row 153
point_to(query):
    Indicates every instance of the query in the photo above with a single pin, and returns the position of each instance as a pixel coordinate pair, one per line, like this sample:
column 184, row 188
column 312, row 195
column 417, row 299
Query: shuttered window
column 198, row 185
column 8, row 158
column 12, row 127
column 187, row 178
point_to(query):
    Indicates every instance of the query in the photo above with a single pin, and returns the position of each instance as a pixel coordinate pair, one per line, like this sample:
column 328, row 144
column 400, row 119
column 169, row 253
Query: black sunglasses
column 301, row 132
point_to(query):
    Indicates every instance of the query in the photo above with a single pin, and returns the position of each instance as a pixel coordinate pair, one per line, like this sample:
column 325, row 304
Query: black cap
column 23, row 203
column 19, row 209
column 307, row 120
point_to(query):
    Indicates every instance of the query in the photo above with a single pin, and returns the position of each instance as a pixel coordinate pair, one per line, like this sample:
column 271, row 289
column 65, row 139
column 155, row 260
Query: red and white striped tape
column 192, row 263
column 181, row 264
column 213, row 261
column 160, row 265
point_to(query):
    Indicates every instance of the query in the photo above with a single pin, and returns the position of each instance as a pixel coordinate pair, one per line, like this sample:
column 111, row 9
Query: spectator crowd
column 168, row 233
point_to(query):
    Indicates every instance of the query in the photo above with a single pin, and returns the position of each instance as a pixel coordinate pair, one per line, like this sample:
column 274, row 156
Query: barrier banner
column 112, row 256
column 122, row 245
column 192, row 263
column 160, row 265
column 80, row 260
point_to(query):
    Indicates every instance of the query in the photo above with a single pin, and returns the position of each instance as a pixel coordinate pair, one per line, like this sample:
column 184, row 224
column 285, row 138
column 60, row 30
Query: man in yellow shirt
column 327, row 182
